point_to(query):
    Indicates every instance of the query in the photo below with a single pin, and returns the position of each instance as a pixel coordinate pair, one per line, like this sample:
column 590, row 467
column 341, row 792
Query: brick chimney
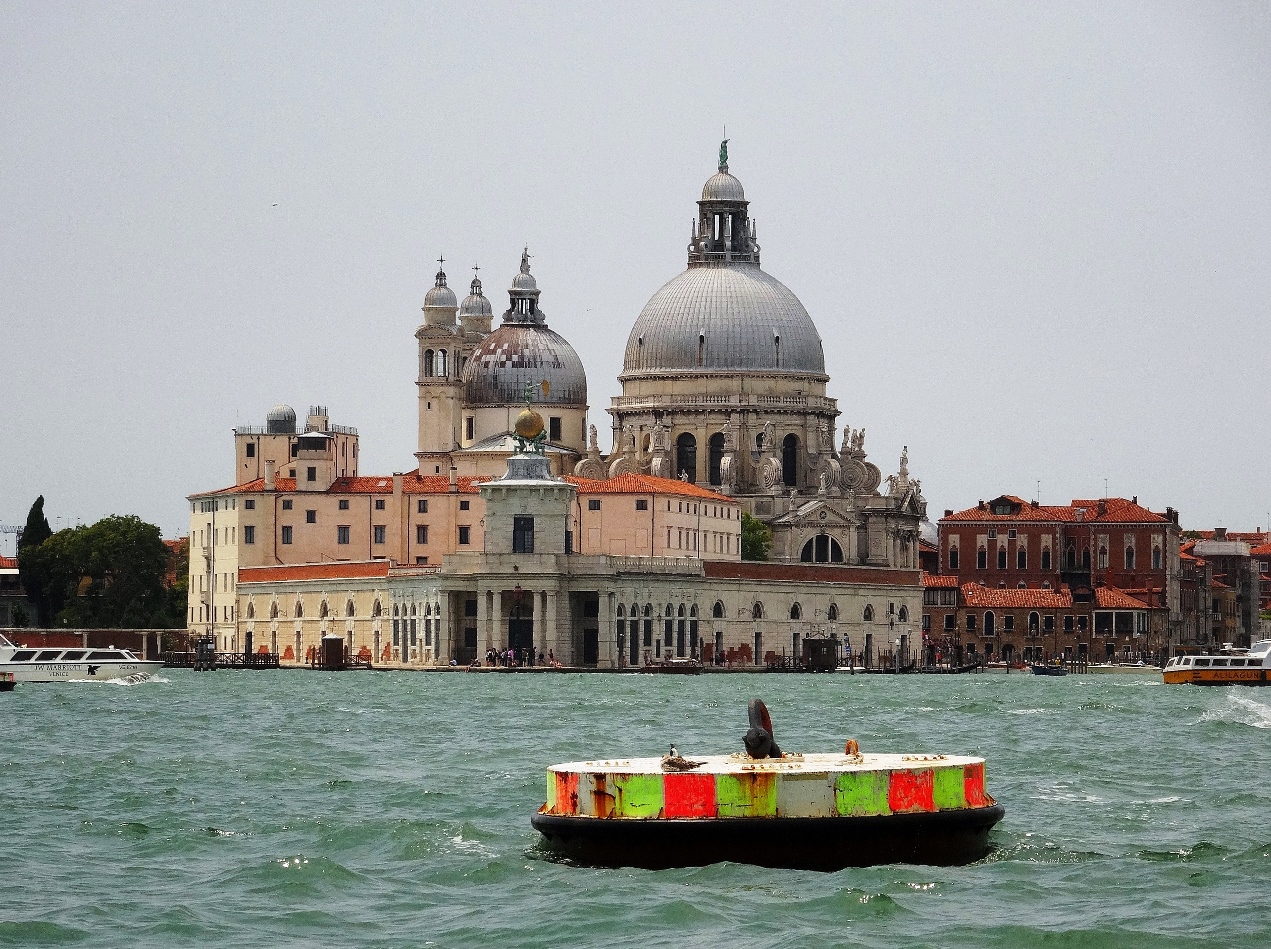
column 271, row 468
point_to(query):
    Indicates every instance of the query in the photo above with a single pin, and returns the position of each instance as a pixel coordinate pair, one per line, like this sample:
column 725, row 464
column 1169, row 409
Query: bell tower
column 440, row 389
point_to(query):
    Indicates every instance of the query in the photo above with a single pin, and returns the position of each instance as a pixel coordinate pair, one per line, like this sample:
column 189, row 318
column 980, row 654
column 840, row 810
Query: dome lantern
column 723, row 232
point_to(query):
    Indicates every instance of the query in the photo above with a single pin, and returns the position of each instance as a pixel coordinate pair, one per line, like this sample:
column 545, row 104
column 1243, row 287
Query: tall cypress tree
column 34, row 578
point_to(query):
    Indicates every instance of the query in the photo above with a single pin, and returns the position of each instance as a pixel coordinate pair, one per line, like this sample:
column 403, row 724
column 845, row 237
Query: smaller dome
column 441, row 295
column 529, row 424
column 281, row 420
column 475, row 303
column 524, row 281
column 723, row 187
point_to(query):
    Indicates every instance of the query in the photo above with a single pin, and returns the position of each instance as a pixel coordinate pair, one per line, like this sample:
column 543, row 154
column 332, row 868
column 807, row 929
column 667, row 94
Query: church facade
column 633, row 555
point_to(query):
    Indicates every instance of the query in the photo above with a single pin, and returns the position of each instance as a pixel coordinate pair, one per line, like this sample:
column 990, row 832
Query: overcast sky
column 1034, row 240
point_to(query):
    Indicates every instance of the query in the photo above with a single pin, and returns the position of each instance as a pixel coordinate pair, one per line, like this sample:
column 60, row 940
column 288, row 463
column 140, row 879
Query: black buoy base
column 943, row 838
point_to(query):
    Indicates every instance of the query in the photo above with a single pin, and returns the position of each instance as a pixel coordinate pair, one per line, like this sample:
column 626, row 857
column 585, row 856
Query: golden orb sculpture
column 529, row 424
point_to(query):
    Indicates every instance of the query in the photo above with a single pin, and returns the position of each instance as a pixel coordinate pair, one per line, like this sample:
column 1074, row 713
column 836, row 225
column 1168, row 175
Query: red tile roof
column 1110, row 598
column 978, row 596
column 8, row 563
column 938, row 581
column 645, row 484
column 1262, row 550
column 1117, row 510
column 314, row 571
column 414, row 483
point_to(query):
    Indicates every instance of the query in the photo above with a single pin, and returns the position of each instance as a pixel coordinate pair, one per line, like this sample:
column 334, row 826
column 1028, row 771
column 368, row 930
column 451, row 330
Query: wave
column 1240, row 709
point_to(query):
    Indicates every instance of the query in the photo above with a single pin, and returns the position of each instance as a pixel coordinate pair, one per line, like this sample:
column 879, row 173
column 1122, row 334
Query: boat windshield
column 5, row 644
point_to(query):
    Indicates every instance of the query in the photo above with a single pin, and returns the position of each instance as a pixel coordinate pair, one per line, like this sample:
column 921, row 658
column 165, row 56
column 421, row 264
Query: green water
column 392, row 809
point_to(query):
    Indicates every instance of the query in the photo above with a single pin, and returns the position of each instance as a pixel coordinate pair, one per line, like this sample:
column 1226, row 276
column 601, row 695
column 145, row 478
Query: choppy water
column 392, row 810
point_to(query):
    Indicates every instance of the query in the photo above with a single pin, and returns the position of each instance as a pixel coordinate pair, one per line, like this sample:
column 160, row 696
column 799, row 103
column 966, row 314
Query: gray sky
column 1034, row 240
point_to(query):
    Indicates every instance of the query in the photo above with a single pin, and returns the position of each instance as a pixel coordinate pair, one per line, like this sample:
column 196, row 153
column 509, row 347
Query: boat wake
column 1241, row 710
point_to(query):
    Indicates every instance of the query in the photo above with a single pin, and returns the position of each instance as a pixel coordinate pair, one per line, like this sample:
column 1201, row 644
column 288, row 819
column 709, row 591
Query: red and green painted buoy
column 814, row 811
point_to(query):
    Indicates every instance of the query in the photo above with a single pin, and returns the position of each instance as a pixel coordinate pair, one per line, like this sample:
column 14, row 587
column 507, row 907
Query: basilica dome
column 524, row 351
column 732, row 317
column 723, row 314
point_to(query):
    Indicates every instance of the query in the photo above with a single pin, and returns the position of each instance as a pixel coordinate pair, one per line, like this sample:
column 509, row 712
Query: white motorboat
column 62, row 664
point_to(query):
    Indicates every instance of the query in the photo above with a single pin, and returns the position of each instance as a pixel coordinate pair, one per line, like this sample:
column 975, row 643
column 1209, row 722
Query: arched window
column 1156, row 558
column 717, row 610
column 682, row 610
column 428, row 609
column 251, row 610
column 1085, row 558
column 1045, row 558
column 982, row 559
column 756, row 611
column 621, row 611
column 1021, row 559
column 953, row 558
column 377, row 609
column 1034, row 623
column 439, row 363
column 348, row 608
column 833, row 612
column 395, row 610
column 273, row 610
column 821, row 549
column 903, row 615
column 428, row 354
column 692, row 611
column 1001, row 558
column 1103, row 557
column 716, row 458
column 686, row 457
column 1129, row 558
column 324, row 611
column 1022, row 585
column 300, row 609
column 796, row 612
column 790, row 460
column 1071, row 557
column 868, row 615
column 412, row 609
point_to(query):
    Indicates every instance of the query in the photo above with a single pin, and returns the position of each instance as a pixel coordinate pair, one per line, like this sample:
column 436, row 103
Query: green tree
column 34, row 580
column 756, row 539
column 114, row 573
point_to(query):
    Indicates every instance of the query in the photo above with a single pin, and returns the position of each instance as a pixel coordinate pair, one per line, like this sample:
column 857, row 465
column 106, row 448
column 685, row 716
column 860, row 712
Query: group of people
column 512, row 658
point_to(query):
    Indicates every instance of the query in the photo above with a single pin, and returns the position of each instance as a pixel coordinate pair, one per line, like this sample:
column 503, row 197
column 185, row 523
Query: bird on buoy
column 674, row 761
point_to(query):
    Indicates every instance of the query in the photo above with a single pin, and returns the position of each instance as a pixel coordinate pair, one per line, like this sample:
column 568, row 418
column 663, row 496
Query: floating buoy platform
column 813, row 811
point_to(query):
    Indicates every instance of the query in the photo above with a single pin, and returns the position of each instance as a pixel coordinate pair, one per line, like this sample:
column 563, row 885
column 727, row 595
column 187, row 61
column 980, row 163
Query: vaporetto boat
column 62, row 664
column 1250, row 666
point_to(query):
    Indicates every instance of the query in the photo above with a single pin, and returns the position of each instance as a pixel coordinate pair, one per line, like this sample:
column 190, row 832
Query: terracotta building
column 1072, row 551
column 966, row 621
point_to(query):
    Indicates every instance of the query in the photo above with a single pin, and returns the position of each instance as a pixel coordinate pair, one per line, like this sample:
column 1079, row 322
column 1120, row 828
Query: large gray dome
column 724, row 317
column 517, row 353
